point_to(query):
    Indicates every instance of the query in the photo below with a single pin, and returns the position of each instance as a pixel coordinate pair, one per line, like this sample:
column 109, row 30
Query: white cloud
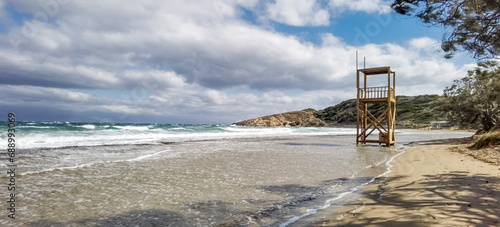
column 316, row 13
column 298, row 13
column 423, row 42
column 369, row 6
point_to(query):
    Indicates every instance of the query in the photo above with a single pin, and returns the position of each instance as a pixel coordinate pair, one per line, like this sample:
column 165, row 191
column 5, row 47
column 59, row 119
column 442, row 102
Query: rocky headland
column 301, row 118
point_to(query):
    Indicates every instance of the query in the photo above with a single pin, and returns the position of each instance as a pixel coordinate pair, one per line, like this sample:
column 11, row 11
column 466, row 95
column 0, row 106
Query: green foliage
column 473, row 25
column 411, row 111
column 343, row 113
column 474, row 101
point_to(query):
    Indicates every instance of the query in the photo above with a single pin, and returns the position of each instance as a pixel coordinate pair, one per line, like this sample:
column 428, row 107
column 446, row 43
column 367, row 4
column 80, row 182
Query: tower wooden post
column 384, row 123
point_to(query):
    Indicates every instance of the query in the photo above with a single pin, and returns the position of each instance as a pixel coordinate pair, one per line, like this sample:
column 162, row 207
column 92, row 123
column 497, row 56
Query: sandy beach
column 193, row 175
column 429, row 185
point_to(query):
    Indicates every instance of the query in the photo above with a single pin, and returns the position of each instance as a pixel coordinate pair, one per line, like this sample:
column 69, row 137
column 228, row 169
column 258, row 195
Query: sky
column 205, row 61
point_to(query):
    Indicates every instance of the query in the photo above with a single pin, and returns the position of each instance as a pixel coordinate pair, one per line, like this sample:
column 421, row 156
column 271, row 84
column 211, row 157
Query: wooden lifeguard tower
column 384, row 123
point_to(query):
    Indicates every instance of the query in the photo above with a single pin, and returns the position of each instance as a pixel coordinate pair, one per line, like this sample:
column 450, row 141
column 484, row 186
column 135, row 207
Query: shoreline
column 428, row 185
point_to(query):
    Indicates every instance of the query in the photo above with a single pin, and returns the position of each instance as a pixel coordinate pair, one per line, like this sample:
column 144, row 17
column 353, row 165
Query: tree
column 474, row 101
column 473, row 25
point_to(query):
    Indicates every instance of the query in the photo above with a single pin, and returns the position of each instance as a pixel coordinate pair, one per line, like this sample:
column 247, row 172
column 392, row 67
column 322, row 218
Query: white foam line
column 328, row 202
column 296, row 218
column 95, row 163
column 60, row 168
column 145, row 156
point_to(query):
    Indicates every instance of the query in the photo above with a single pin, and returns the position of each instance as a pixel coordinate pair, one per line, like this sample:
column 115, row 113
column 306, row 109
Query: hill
column 411, row 112
column 301, row 118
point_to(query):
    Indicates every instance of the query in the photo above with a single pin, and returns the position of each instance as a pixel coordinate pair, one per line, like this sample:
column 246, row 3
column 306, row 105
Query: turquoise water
column 103, row 174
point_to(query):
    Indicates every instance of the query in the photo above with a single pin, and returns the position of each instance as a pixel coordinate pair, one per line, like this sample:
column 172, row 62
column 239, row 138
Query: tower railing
column 376, row 92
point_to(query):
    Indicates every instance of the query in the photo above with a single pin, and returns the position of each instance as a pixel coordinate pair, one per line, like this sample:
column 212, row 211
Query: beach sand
column 429, row 186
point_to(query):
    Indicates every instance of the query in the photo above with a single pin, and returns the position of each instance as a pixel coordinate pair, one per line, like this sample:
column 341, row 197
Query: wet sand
column 429, row 185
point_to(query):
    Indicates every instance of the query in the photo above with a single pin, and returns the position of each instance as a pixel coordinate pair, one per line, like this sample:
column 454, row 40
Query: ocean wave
column 135, row 128
column 55, row 135
column 88, row 126
column 91, row 135
column 260, row 130
column 34, row 127
column 85, row 139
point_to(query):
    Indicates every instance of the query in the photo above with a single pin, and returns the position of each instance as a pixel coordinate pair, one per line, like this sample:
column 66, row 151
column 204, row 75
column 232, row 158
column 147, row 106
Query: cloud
column 33, row 94
column 193, row 103
column 298, row 13
column 196, row 61
column 48, row 71
column 369, row 6
column 219, row 56
column 317, row 13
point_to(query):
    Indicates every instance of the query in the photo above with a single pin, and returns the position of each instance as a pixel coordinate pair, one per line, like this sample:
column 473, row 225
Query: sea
column 113, row 174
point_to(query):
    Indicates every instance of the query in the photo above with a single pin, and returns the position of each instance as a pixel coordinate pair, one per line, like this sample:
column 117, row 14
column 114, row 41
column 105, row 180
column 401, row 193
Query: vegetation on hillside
column 411, row 111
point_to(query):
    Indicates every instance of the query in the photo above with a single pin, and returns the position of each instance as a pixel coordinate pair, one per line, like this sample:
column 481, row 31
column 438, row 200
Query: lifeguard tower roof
column 375, row 71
